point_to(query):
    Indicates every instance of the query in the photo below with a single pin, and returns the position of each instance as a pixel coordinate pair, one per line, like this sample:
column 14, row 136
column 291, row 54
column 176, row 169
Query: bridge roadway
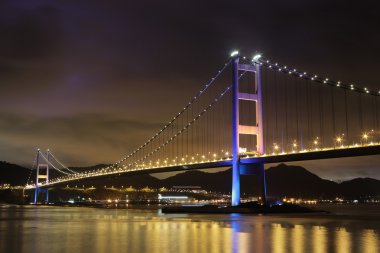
column 244, row 160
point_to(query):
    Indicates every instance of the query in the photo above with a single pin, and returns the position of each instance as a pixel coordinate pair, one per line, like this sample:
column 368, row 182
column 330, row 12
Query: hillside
column 13, row 174
column 282, row 180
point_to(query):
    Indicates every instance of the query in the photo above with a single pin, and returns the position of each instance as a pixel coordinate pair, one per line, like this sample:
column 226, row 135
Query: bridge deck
column 278, row 158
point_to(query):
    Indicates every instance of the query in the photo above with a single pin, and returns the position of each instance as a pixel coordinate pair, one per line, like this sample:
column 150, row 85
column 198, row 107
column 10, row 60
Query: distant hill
column 360, row 187
column 218, row 182
column 282, row 180
column 13, row 174
column 296, row 181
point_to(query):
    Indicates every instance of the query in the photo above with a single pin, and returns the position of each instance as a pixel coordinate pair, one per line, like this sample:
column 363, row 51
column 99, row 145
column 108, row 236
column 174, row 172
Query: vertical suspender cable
column 377, row 116
column 360, row 112
column 374, row 113
column 276, row 104
column 273, row 107
column 266, row 111
column 346, row 112
column 187, row 133
column 333, row 111
column 286, row 114
column 297, row 123
column 307, row 110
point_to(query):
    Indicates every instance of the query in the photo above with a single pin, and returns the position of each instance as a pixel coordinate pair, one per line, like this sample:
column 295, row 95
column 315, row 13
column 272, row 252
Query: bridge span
column 266, row 113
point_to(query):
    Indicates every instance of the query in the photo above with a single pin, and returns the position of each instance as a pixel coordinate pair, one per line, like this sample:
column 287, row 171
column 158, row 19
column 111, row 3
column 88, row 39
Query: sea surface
column 90, row 230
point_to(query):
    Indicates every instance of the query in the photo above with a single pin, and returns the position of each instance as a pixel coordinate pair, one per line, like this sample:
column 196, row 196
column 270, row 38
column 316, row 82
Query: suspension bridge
column 251, row 112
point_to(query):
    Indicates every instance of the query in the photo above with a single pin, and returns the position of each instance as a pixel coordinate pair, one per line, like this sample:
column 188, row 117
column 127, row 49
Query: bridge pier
column 256, row 170
column 42, row 173
column 235, row 193
column 263, row 184
column 37, row 191
column 237, row 128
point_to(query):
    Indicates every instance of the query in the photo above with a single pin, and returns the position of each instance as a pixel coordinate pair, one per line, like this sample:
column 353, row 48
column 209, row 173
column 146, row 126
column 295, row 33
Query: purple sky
column 92, row 80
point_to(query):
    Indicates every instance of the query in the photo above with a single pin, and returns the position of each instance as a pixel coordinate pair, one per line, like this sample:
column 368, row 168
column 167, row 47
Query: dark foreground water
column 89, row 230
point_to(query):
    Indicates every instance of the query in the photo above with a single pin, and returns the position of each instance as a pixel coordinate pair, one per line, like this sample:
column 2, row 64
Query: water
column 90, row 230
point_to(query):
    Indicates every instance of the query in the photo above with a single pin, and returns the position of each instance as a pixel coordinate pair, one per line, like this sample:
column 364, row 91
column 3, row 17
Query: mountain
column 282, row 180
column 136, row 181
column 296, row 181
column 218, row 182
column 360, row 187
column 13, row 174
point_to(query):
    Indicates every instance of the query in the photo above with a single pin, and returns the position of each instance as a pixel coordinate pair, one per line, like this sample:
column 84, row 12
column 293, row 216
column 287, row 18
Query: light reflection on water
column 55, row 229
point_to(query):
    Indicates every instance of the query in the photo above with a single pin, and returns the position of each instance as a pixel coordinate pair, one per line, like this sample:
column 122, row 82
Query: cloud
column 70, row 70
column 83, row 139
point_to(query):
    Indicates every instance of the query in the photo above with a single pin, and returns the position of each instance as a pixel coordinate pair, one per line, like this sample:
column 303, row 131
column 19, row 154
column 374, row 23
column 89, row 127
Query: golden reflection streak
column 150, row 229
column 244, row 241
column 370, row 240
column 227, row 239
column 203, row 237
column 319, row 239
column 183, row 235
column 215, row 236
column 343, row 241
column 194, row 234
column 278, row 239
column 298, row 238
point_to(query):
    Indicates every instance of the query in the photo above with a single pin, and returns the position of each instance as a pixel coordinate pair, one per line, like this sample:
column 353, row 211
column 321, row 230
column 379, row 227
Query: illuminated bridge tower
column 237, row 129
column 42, row 176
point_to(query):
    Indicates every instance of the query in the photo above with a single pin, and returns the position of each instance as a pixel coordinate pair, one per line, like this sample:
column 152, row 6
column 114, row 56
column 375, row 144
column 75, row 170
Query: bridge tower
column 238, row 129
column 42, row 176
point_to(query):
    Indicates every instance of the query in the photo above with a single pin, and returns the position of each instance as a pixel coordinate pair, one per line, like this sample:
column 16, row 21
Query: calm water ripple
column 89, row 230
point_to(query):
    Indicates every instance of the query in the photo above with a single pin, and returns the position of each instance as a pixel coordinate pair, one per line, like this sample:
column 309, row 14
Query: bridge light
column 339, row 140
column 234, row 53
column 256, row 57
column 316, row 142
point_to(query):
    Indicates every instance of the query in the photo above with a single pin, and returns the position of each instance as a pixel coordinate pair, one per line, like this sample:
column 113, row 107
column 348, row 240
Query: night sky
column 92, row 80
